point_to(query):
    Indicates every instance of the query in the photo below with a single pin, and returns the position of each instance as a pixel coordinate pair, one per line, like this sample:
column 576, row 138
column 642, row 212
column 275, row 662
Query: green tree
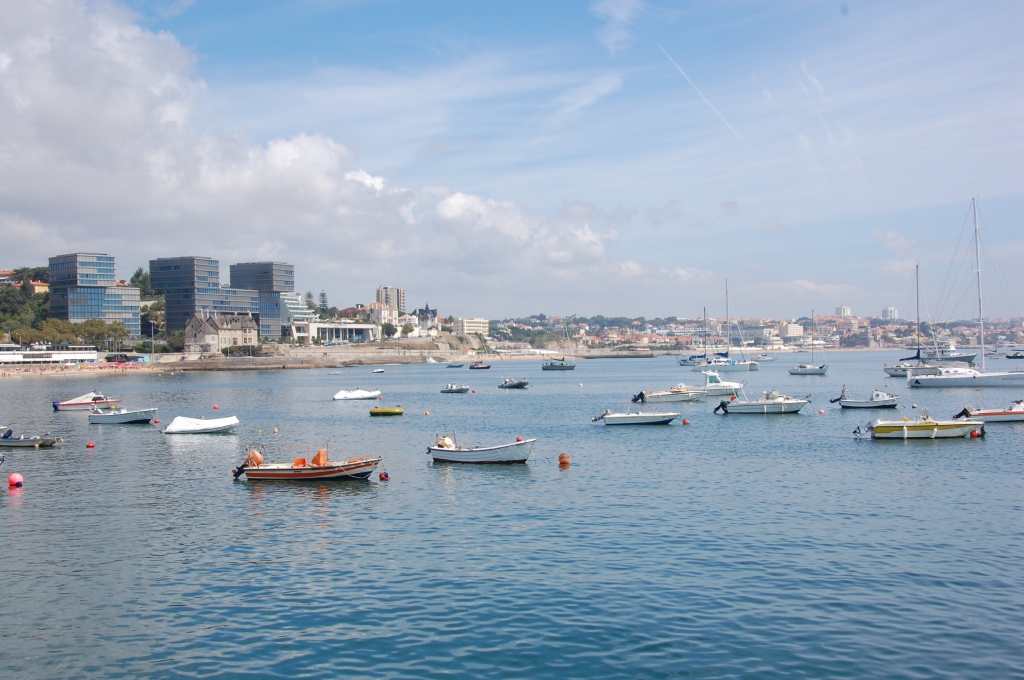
column 92, row 331
column 407, row 328
column 389, row 330
column 323, row 301
column 26, row 336
column 177, row 341
column 56, row 330
column 117, row 332
column 140, row 279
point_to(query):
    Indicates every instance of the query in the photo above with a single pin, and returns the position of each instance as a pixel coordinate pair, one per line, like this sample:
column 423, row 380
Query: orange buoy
column 564, row 460
column 215, row 407
column 15, row 480
column 473, row 391
column 975, row 434
column 686, row 421
column 519, row 439
column 90, row 445
column 384, row 476
column 821, row 411
column 156, row 420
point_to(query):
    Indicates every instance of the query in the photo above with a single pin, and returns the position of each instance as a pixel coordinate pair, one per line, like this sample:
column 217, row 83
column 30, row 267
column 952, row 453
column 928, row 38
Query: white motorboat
column 923, row 427
column 764, row 357
column 448, row 450
column 903, row 368
column 183, row 425
column 357, row 393
column 811, row 368
column 771, row 401
column 121, row 415
column 725, row 364
column 377, row 370
column 84, row 402
column 878, row 399
column 9, row 439
column 636, row 418
column 949, row 352
column 714, row 386
column 1012, row 413
column 678, row 393
column 452, row 388
column 954, row 376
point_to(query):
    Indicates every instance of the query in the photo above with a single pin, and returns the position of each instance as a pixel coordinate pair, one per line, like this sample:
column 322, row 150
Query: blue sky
column 502, row 158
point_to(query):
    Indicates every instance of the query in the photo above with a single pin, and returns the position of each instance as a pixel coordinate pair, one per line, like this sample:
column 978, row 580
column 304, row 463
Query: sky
column 498, row 159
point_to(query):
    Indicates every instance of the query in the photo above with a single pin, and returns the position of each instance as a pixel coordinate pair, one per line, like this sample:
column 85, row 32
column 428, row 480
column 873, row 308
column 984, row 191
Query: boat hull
column 731, row 367
column 183, row 425
column 143, row 415
column 386, row 411
column 809, row 370
column 763, row 408
column 878, row 403
column 356, row 395
column 458, row 390
column 915, row 429
column 557, row 367
column 517, row 452
column 29, row 442
column 82, row 404
column 639, row 418
column 352, row 469
column 973, row 379
column 665, row 397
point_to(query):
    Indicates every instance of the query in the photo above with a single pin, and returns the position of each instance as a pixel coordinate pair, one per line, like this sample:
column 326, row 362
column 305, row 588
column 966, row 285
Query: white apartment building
column 789, row 331
column 471, row 326
column 843, row 311
column 890, row 314
column 391, row 297
column 381, row 314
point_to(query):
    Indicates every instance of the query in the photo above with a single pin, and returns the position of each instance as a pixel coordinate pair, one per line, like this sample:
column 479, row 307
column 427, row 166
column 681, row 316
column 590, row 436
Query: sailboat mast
column 917, row 291
column 977, row 266
column 813, row 328
column 728, row 325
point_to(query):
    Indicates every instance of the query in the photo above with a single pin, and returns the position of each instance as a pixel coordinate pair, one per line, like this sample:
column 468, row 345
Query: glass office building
column 191, row 285
column 82, row 286
column 270, row 279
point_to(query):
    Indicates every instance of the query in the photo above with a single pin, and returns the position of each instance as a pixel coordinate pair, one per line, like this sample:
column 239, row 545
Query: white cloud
column 618, row 16
column 572, row 102
column 893, row 241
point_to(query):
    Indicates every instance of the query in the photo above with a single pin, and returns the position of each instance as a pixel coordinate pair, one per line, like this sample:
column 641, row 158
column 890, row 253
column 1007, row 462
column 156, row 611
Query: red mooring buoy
column 90, row 445
column 15, row 480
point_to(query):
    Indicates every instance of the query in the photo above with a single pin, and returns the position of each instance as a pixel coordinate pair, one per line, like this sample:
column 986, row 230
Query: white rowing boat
column 183, row 425
column 448, row 450
column 122, row 415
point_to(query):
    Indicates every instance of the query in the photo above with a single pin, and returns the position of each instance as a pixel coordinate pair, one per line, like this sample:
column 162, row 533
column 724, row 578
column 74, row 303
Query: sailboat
column 721, row 361
column 693, row 359
column 921, row 367
column 811, row 368
column 957, row 376
column 561, row 364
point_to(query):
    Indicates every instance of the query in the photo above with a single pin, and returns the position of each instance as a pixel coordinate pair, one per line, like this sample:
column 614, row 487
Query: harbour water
column 768, row 546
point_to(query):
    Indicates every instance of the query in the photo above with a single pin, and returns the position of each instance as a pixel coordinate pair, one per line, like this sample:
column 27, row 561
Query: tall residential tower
column 191, row 285
column 82, row 286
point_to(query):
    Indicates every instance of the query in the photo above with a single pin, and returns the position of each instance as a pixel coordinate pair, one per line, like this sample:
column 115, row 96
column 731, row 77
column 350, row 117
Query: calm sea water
column 736, row 546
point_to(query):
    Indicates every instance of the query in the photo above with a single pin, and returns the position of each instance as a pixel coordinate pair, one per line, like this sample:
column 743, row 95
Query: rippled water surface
column 739, row 545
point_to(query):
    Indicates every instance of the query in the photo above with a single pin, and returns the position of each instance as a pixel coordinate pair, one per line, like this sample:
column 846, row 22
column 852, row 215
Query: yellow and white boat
column 924, row 427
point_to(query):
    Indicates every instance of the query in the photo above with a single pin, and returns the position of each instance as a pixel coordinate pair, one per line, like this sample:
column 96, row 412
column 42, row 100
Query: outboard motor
column 723, row 405
column 640, row 398
column 839, row 398
column 239, row 471
column 56, row 406
column 9, row 433
column 963, row 414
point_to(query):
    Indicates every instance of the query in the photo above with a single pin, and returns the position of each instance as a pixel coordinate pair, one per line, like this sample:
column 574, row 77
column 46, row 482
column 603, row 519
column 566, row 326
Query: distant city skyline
column 612, row 157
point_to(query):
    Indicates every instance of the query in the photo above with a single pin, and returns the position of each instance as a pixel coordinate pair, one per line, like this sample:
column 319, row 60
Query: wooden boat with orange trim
column 319, row 468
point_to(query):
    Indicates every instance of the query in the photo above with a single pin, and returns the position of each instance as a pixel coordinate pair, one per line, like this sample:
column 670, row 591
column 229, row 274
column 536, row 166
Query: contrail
column 717, row 113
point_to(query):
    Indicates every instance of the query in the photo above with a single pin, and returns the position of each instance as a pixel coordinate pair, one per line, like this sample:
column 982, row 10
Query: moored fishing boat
column 28, row 442
column 636, row 417
column 923, row 427
column 714, row 386
column 514, row 383
column 771, row 402
column 1012, row 413
column 84, row 402
column 448, row 450
column 452, row 388
column 678, row 393
column 356, row 394
column 454, row 364
column 479, row 366
column 377, row 370
column 878, row 399
column 184, row 425
column 121, row 416
column 317, row 469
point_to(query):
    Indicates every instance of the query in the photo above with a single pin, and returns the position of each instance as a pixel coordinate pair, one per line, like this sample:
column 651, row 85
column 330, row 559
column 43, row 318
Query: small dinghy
column 454, row 364
column 878, row 399
column 922, row 428
column 448, row 450
column 377, row 370
column 678, row 393
column 183, row 425
column 387, row 411
column 452, row 388
column 319, row 468
column 121, row 415
column 84, row 402
column 1013, row 412
column 24, row 441
column 514, row 383
column 635, row 418
column 357, row 393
